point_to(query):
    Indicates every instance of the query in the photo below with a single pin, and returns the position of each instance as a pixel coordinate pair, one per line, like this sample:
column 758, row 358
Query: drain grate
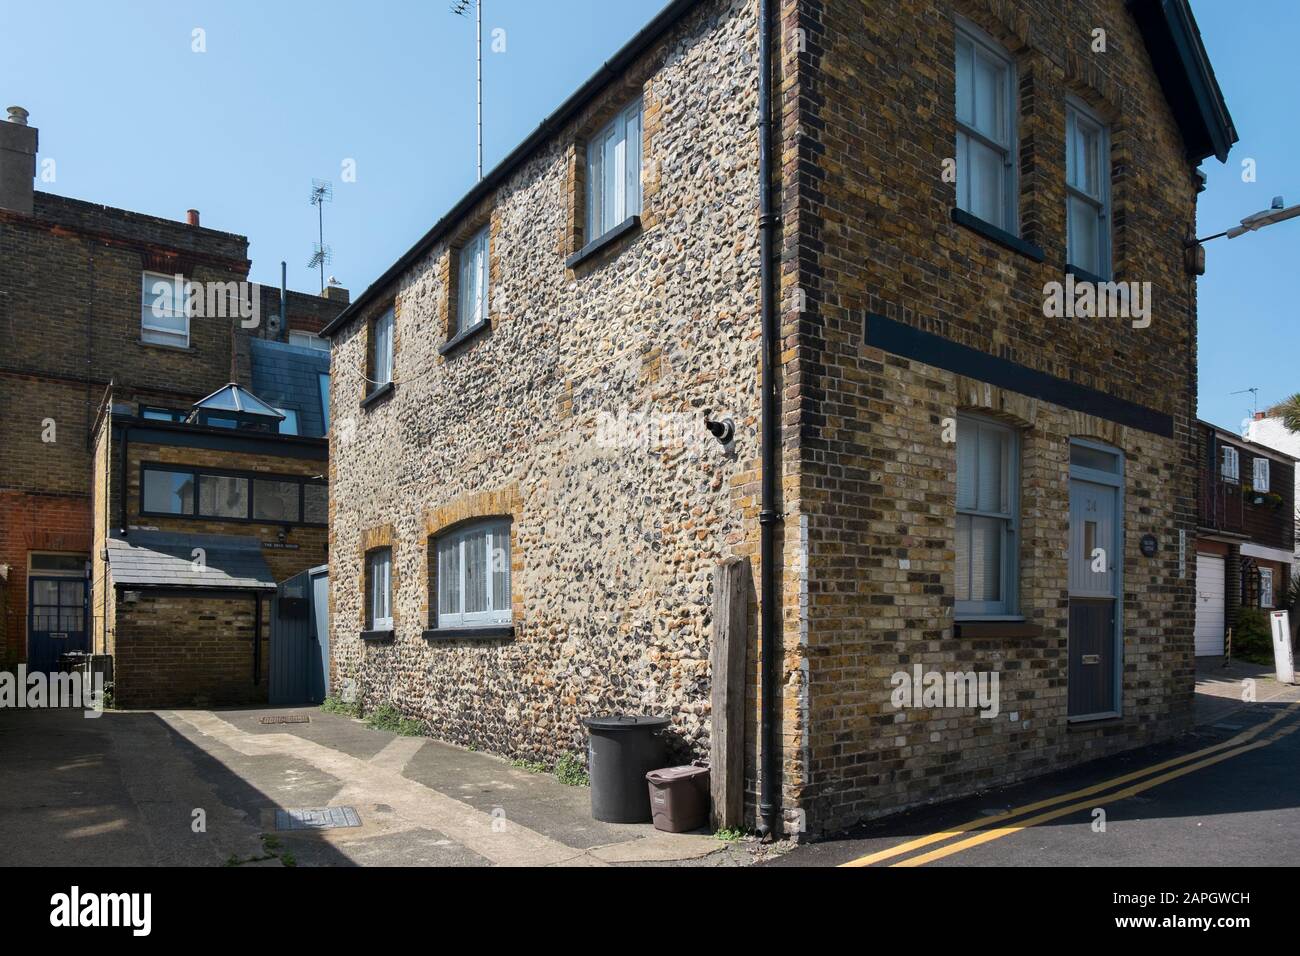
column 328, row 818
column 286, row 719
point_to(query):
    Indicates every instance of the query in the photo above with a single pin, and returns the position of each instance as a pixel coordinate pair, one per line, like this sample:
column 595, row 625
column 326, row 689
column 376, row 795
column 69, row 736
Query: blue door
column 56, row 621
column 300, row 640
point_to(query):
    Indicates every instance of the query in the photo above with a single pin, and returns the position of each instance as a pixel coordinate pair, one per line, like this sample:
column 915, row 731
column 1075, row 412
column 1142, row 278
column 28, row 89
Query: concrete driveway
column 202, row 788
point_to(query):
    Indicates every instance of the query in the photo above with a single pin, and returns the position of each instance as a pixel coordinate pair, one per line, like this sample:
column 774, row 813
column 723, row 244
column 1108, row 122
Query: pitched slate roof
column 166, row 558
column 288, row 376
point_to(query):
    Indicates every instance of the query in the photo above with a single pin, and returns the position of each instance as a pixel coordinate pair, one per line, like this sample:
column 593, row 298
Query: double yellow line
column 986, row 829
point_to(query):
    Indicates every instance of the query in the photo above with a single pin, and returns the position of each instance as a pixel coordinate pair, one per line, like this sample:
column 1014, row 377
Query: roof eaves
column 609, row 71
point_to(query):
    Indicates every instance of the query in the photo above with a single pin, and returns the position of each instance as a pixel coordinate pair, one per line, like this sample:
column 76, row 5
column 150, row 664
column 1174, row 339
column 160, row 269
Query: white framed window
column 1087, row 191
column 379, row 590
column 1259, row 480
column 986, row 567
column 614, row 173
column 472, row 575
column 308, row 340
column 1265, row 587
column 1230, row 464
column 381, row 350
column 164, row 314
column 472, row 283
column 986, row 129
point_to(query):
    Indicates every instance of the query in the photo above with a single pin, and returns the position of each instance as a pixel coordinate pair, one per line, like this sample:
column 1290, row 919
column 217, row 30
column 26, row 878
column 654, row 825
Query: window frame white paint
column 1266, row 580
column 1260, row 484
column 1078, row 114
column 477, row 250
column 308, row 340
column 611, row 143
column 379, row 581
column 497, row 545
column 983, row 46
column 381, row 332
column 154, row 334
column 1008, row 605
column 1230, row 464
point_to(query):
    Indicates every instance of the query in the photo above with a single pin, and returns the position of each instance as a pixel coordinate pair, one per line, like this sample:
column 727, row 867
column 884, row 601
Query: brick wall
column 180, row 650
column 877, row 476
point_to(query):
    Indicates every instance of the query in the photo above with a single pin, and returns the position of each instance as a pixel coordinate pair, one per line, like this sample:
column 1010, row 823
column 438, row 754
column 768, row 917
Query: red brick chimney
column 192, row 217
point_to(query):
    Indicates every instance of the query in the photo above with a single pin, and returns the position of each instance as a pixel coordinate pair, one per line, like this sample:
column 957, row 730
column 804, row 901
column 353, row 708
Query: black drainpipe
column 257, row 638
column 769, row 518
column 121, row 494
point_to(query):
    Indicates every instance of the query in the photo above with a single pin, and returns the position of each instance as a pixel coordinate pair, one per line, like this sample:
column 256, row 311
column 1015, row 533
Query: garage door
column 1209, row 604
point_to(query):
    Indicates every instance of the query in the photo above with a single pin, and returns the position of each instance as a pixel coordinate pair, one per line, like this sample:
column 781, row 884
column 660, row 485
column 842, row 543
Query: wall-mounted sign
column 1149, row 545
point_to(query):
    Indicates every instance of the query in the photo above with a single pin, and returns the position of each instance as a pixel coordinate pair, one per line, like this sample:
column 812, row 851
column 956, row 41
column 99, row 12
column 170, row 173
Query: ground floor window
column 379, row 590
column 1265, row 587
column 986, row 566
column 471, row 575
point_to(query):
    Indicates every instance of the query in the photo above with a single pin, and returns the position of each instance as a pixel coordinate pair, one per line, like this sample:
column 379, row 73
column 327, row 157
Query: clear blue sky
column 287, row 91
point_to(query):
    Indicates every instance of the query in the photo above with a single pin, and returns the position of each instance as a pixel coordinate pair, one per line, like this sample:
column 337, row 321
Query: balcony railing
column 1222, row 504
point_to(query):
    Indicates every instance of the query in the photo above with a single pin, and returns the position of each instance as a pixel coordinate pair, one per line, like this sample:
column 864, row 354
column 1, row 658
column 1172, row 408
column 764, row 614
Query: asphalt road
column 1226, row 795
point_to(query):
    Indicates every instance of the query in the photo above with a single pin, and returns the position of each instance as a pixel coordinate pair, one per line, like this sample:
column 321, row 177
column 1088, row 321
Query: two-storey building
column 1246, row 539
column 93, row 296
column 828, row 286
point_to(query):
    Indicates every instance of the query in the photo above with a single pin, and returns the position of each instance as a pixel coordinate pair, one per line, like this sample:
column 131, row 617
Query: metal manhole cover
column 286, row 719
column 328, row 818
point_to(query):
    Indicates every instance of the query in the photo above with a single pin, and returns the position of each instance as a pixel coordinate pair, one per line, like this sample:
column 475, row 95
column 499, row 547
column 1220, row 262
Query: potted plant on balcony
column 1250, row 494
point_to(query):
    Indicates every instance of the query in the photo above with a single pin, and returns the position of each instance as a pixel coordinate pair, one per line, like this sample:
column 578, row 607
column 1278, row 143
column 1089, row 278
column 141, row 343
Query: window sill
column 163, row 345
column 501, row 633
column 1083, row 275
column 1089, row 719
column 1003, row 238
column 626, row 227
column 377, row 637
column 995, row 629
column 378, row 395
column 468, row 335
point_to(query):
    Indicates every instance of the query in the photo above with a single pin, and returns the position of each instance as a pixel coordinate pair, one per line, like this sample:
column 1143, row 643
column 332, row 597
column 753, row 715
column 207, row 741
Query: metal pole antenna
column 479, row 49
column 320, row 235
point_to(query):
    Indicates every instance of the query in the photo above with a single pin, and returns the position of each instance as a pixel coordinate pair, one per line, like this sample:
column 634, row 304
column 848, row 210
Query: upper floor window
column 233, row 496
column 1230, row 464
column 986, row 132
column 381, row 350
column 309, row 340
column 1259, row 480
column 472, row 576
column 164, row 318
column 159, row 414
column 1087, row 189
column 379, row 590
column 289, row 424
column 323, row 381
column 614, row 173
column 987, row 565
column 472, row 283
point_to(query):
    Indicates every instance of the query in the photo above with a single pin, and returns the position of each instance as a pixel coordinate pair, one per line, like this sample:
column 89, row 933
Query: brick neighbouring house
column 526, row 509
column 73, row 278
column 214, row 516
column 1246, row 532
